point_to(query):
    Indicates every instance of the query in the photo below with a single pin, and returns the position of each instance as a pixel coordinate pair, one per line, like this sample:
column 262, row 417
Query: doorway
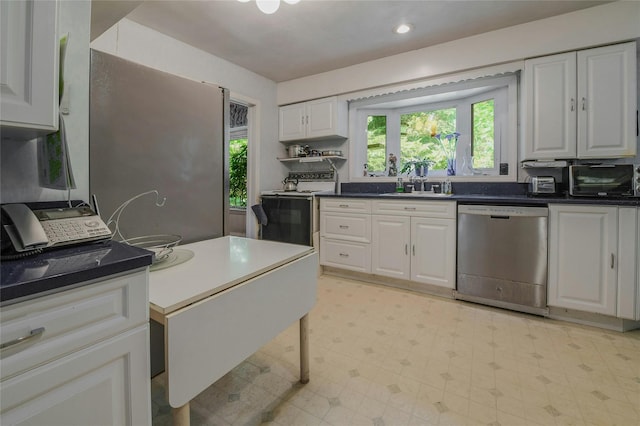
column 238, row 168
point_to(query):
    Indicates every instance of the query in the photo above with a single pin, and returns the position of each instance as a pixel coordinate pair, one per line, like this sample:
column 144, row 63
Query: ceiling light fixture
column 269, row 6
column 403, row 28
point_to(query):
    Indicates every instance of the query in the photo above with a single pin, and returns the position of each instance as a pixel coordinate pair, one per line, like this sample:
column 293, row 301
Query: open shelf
column 315, row 159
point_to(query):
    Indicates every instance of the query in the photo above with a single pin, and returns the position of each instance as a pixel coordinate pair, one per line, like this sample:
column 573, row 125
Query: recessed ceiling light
column 402, row 28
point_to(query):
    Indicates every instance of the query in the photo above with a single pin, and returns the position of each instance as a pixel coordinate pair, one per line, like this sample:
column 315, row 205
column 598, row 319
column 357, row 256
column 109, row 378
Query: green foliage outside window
column 238, row 173
column 483, row 135
column 377, row 143
column 417, row 141
column 417, row 131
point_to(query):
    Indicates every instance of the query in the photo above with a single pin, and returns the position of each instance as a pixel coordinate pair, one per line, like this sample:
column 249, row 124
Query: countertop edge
column 494, row 199
column 129, row 258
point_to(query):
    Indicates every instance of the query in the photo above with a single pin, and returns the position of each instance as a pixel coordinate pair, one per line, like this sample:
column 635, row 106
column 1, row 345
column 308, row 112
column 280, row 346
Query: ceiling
column 315, row 36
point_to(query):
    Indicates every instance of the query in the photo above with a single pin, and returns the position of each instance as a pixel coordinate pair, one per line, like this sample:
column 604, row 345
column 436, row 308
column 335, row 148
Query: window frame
column 503, row 89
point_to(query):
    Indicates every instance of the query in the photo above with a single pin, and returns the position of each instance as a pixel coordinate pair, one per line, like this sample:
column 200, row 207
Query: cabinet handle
column 413, row 249
column 344, row 206
column 410, row 208
column 307, row 119
column 406, row 249
column 344, row 226
column 32, row 334
column 573, row 104
column 584, row 104
column 344, row 255
column 613, row 260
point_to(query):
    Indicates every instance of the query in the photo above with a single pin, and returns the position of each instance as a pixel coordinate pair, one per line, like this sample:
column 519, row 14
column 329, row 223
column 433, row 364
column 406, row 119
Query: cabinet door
column 550, row 91
column 104, row 384
column 607, row 101
column 627, row 263
column 582, row 258
column 29, row 74
column 433, row 251
column 292, row 122
column 321, row 117
column 390, row 246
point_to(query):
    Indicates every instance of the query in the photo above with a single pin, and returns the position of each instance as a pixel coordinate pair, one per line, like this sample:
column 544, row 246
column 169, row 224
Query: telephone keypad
column 73, row 229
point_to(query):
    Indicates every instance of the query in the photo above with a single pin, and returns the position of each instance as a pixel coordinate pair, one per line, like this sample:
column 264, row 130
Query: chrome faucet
column 419, row 183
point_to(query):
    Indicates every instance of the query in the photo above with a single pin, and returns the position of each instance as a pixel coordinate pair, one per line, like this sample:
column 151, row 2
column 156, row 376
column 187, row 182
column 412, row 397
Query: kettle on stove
column 290, row 184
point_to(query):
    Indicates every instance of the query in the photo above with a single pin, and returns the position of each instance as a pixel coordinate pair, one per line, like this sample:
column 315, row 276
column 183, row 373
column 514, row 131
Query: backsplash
column 461, row 188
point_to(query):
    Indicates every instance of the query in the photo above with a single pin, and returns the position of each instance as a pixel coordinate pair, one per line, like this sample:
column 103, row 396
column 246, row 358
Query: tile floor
column 382, row 356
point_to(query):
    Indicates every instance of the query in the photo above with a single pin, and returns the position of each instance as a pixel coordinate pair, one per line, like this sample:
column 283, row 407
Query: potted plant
column 420, row 167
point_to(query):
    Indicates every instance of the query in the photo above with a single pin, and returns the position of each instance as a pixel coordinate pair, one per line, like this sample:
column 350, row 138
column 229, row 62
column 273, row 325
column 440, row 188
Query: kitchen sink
column 417, row 194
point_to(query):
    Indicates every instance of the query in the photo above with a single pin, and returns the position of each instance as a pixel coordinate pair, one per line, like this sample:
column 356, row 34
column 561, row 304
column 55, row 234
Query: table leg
column 304, row 349
column 181, row 415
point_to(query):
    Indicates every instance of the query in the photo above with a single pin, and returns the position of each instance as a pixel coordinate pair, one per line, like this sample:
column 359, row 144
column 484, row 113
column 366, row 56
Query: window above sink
column 407, row 124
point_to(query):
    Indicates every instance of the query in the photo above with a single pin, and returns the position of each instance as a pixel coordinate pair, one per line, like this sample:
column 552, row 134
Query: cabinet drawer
column 351, row 227
column 345, row 255
column 438, row 209
column 104, row 384
column 347, row 205
column 71, row 320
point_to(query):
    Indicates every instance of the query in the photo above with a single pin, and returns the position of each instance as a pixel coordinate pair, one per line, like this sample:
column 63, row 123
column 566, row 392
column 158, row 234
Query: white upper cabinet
column 29, row 73
column 607, row 101
column 581, row 104
column 550, row 91
column 320, row 119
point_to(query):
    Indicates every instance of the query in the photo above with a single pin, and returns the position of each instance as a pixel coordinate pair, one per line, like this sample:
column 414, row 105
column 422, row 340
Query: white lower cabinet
column 345, row 234
column 433, row 251
column 414, row 241
column 593, row 252
column 391, row 237
column 105, row 384
column 345, row 255
column 628, row 306
column 88, row 359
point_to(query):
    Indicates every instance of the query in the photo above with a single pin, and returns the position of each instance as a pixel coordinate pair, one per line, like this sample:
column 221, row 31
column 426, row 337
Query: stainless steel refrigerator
column 150, row 130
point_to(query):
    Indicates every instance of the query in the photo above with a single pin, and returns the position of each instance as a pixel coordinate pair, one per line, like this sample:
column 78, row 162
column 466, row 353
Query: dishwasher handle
column 495, row 216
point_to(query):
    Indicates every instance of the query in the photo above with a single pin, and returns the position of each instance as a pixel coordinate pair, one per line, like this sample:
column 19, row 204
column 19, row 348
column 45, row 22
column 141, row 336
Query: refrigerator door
column 153, row 130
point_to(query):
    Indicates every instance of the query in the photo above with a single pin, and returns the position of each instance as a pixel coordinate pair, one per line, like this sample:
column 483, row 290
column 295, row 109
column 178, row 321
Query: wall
column 610, row 23
column 19, row 170
column 143, row 45
column 499, row 50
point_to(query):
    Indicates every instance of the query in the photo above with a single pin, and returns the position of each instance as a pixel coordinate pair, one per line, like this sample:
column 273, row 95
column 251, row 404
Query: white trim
column 253, row 158
column 473, row 77
column 502, row 88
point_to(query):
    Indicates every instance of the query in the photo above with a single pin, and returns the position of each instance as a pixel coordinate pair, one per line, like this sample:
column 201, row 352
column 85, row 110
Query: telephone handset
column 30, row 230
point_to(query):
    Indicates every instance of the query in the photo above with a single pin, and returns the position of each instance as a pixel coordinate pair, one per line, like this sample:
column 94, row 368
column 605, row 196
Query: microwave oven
column 604, row 180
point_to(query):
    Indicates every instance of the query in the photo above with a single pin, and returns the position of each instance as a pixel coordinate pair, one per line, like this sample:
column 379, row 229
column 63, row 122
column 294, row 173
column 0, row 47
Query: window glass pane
column 238, row 172
column 483, row 138
column 417, row 136
column 376, row 142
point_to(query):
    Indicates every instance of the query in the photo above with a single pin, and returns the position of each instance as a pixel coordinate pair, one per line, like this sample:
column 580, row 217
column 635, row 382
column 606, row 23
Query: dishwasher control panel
column 487, row 210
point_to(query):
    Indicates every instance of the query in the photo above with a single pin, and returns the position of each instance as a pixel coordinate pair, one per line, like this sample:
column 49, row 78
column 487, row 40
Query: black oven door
column 289, row 219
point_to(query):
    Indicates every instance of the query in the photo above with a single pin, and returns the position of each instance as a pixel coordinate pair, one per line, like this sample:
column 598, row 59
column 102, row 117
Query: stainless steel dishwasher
column 502, row 256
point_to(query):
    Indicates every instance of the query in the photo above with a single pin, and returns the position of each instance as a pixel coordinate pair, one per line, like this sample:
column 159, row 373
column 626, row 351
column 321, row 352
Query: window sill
column 439, row 178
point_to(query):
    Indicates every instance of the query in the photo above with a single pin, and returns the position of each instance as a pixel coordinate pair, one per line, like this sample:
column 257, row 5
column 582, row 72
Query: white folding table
column 235, row 295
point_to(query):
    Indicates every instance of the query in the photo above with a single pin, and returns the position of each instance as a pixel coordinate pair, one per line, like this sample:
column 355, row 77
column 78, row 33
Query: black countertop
column 499, row 193
column 510, row 199
column 64, row 268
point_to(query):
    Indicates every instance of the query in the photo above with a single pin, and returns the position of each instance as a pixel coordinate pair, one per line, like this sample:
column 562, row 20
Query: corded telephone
column 26, row 231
